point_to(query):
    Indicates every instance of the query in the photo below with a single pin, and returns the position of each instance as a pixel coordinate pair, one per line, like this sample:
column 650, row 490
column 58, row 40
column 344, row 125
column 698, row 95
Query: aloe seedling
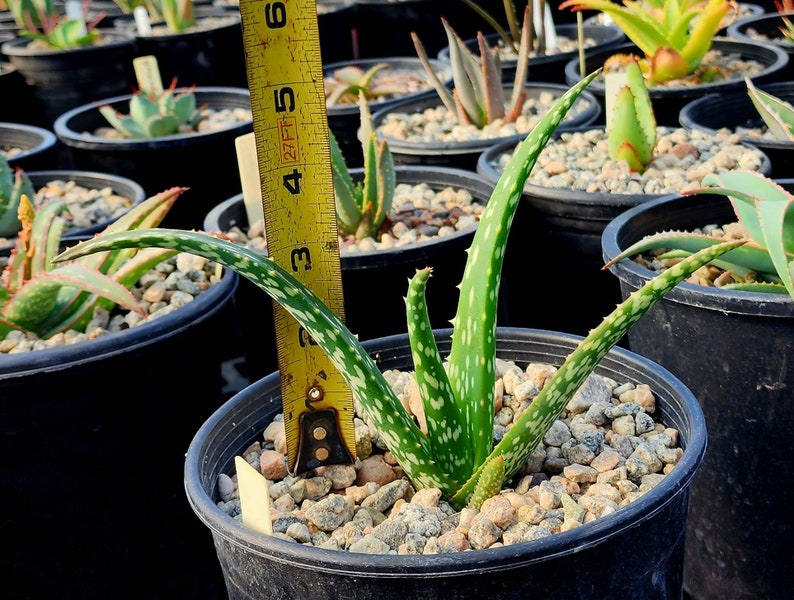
column 477, row 96
column 764, row 210
column 457, row 454
column 346, row 84
column 674, row 35
column 631, row 124
column 38, row 299
column 361, row 208
column 14, row 183
column 777, row 114
column 541, row 33
column 178, row 15
column 41, row 20
column 787, row 28
column 155, row 115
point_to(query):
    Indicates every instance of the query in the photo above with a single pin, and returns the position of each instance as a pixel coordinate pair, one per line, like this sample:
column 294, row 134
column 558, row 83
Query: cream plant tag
column 249, row 176
column 254, row 497
column 147, row 73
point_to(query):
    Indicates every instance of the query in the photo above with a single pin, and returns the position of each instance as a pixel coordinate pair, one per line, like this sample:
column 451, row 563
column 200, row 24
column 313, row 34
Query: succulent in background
column 777, row 114
column 631, row 124
column 41, row 299
column 674, row 35
column 787, row 28
column 156, row 115
column 541, row 32
column 14, row 183
column 361, row 208
column 478, row 97
column 42, row 20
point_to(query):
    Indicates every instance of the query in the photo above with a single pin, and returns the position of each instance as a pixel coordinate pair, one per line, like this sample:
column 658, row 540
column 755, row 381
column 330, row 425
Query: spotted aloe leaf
column 451, row 456
column 777, row 114
column 765, row 209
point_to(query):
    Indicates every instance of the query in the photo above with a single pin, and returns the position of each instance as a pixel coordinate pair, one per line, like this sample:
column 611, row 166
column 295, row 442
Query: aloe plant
column 777, row 114
column 674, row 35
column 787, row 28
column 14, row 183
column 361, row 208
column 765, row 211
column 346, row 83
column 42, row 20
column 631, row 123
column 477, row 96
column 457, row 453
column 43, row 300
column 156, row 114
column 178, row 15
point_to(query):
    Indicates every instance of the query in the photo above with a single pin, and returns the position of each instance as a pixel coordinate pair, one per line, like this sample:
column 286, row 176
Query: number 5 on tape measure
column 284, row 66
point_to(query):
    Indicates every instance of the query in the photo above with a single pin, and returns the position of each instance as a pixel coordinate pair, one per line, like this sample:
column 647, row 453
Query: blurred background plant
column 41, row 20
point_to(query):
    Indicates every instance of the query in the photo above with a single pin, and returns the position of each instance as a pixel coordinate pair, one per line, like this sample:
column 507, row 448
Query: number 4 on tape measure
column 284, row 67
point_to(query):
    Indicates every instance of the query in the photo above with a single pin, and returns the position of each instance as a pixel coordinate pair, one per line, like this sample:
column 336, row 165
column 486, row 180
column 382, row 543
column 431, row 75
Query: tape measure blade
column 284, row 67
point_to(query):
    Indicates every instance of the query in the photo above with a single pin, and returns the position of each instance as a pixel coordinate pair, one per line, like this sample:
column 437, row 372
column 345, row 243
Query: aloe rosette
column 155, row 115
column 457, row 454
column 39, row 298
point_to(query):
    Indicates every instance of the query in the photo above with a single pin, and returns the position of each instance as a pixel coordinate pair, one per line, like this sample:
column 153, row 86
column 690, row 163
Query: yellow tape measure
column 282, row 53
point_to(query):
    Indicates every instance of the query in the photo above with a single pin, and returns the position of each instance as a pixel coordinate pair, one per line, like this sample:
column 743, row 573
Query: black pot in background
column 60, row 80
column 385, row 27
column 645, row 538
column 733, row 350
column 556, row 240
column 464, row 155
column 551, row 67
column 336, row 22
column 93, row 442
column 345, row 119
column 767, row 29
column 37, row 144
column 669, row 100
column 735, row 109
column 374, row 282
column 17, row 101
column 206, row 162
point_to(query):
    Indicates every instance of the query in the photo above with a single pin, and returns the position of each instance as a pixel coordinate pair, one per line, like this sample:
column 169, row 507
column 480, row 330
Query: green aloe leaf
column 777, row 114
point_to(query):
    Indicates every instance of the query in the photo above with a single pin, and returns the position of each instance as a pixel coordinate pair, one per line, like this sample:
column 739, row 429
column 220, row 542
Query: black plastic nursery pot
column 63, row 79
column 733, row 350
column 37, row 145
column 374, row 282
column 205, row 162
column 464, row 154
column 669, row 100
column 93, row 437
column 636, row 552
column 735, row 110
column 551, row 67
column 384, row 27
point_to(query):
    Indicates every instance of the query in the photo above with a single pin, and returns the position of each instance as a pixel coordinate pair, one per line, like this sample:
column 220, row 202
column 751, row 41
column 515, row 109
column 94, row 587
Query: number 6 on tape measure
column 284, row 66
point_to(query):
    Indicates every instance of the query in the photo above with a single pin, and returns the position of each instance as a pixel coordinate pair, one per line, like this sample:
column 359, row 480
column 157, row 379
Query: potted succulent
column 392, row 220
column 27, row 146
column 202, row 45
column 80, row 345
column 751, row 115
column 54, row 50
column 177, row 136
column 459, row 401
column 587, row 176
column 744, row 296
column 479, row 111
column 682, row 58
column 384, row 82
column 551, row 46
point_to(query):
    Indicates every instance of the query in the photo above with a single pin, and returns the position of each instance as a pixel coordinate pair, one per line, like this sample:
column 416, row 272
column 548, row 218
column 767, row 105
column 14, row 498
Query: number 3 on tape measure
column 284, row 66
